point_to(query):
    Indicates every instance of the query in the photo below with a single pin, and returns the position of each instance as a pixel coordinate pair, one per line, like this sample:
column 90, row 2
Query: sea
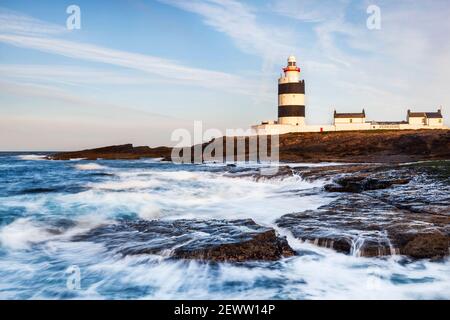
column 45, row 203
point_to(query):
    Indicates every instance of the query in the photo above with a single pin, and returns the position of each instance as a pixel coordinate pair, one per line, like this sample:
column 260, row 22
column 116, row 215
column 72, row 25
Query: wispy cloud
column 311, row 10
column 53, row 93
column 272, row 43
column 70, row 75
column 389, row 66
column 15, row 22
column 26, row 32
column 240, row 22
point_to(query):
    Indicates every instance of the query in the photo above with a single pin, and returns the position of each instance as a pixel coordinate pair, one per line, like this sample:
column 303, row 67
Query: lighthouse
column 291, row 95
column 291, row 112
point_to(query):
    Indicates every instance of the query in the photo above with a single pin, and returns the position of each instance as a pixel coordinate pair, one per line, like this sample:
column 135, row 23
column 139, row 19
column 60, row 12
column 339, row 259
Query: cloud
column 27, row 32
column 53, row 93
column 153, row 65
column 310, row 10
column 240, row 23
column 14, row 22
column 402, row 65
column 74, row 76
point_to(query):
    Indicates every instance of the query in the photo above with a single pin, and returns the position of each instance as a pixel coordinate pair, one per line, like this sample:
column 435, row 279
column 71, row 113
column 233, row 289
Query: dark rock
column 413, row 221
column 348, row 225
column 366, row 146
column 271, row 173
column 358, row 184
column 434, row 245
column 213, row 240
column 119, row 152
column 378, row 146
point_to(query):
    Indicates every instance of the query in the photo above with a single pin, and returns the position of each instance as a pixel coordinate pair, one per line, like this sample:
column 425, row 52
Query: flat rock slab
column 212, row 240
column 358, row 184
column 361, row 225
column 381, row 210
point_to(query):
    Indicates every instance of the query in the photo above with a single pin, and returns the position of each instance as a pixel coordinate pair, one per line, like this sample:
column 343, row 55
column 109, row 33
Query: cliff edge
column 350, row 146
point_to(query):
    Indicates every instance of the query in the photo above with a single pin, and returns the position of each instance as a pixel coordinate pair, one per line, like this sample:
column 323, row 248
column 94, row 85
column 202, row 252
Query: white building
column 291, row 112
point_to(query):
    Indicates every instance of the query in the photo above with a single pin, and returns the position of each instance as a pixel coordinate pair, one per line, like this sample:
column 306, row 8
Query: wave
column 315, row 274
column 124, row 185
column 195, row 194
column 21, row 233
column 90, row 166
column 32, row 157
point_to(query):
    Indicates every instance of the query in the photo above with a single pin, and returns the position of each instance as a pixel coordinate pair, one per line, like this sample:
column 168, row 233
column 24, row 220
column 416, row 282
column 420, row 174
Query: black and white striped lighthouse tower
column 291, row 95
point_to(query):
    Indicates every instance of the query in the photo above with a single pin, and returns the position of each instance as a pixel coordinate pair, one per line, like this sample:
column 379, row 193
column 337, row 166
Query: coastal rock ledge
column 345, row 146
column 208, row 240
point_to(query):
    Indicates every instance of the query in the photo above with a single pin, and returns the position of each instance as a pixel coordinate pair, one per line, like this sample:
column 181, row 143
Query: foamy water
column 89, row 166
column 45, row 203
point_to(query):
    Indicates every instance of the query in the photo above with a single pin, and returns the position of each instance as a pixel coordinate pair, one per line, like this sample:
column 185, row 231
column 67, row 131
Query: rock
column 347, row 225
column 434, row 245
column 375, row 225
column 280, row 172
column 119, row 152
column 431, row 244
column 211, row 240
column 352, row 146
column 263, row 246
column 366, row 146
column 358, row 184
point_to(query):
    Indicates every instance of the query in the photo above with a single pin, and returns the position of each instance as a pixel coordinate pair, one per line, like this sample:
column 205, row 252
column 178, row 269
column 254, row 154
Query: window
column 351, row 120
column 440, row 120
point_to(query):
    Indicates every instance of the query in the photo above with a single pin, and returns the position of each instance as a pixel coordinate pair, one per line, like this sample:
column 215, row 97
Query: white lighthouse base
column 274, row 128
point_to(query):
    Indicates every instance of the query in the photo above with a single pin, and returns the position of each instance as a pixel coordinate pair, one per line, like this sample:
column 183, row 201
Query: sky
column 137, row 70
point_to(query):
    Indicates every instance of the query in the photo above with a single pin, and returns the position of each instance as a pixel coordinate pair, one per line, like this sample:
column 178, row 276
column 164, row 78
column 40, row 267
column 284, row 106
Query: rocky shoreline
column 207, row 240
column 350, row 147
column 380, row 210
column 376, row 209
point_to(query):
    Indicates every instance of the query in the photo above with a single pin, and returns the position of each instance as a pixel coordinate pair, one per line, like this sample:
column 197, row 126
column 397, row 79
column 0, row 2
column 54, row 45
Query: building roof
column 350, row 115
column 436, row 115
column 416, row 114
column 388, row 122
column 429, row 115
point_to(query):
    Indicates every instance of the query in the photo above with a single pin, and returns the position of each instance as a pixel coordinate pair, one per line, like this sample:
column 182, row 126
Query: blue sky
column 138, row 69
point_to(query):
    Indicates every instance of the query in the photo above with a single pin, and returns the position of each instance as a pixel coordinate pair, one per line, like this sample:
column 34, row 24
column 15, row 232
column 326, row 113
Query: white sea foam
column 149, row 212
column 33, row 157
column 90, row 166
column 125, row 185
column 21, row 233
column 321, row 274
column 185, row 194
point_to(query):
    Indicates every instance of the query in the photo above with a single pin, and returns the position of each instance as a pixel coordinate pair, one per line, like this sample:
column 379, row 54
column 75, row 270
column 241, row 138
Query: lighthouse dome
column 292, row 59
